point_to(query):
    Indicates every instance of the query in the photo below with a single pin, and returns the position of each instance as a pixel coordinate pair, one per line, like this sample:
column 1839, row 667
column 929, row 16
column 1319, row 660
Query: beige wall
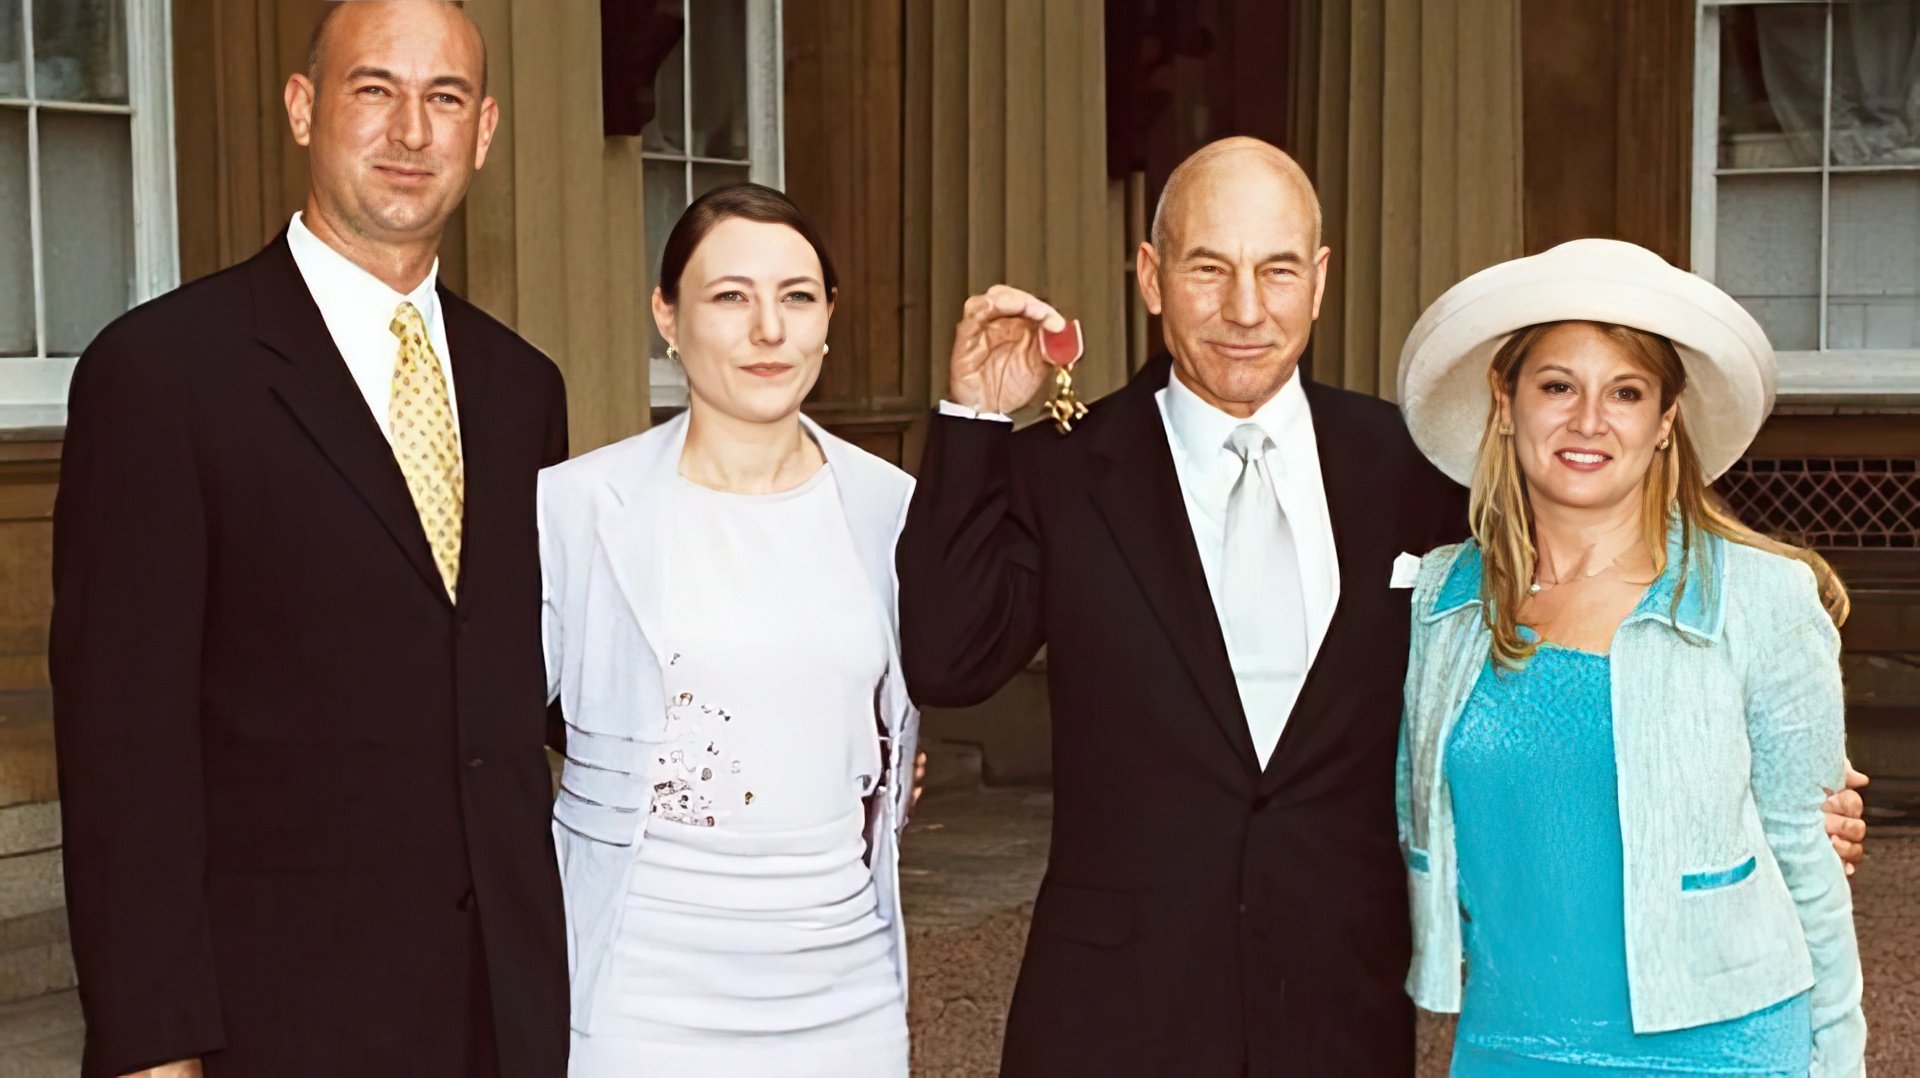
column 844, row 72
column 1609, row 122
column 28, row 473
column 1006, row 174
column 1412, row 126
column 554, row 237
column 238, row 174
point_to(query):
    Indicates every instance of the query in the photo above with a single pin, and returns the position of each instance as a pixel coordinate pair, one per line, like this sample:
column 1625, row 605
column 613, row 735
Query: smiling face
column 1587, row 418
column 750, row 320
column 393, row 117
column 1238, row 273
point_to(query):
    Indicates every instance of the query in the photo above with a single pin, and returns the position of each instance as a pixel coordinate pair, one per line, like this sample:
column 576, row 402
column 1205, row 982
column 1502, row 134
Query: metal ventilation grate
column 1829, row 504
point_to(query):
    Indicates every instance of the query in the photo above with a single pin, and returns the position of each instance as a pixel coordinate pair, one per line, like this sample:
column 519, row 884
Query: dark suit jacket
column 1200, row 916
column 305, row 796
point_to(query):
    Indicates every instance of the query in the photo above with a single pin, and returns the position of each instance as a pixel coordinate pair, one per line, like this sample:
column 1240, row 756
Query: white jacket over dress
column 601, row 533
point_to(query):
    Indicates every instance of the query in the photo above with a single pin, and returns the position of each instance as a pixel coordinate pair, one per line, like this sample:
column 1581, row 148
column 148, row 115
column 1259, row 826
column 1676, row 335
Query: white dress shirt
column 1207, row 469
column 358, row 309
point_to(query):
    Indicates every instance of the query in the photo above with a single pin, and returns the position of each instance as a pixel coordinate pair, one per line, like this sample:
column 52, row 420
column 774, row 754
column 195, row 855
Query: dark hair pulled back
column 749, row 201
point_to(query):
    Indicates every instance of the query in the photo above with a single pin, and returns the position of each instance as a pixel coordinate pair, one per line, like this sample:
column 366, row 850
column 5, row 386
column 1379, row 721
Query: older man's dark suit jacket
column 305, row 795
column 1200, row 916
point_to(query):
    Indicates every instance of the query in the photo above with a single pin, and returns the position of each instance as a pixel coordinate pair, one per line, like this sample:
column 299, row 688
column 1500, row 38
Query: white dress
column 752, row 941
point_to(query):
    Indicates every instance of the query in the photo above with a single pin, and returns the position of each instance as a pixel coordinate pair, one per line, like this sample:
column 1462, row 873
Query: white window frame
column 33, row 389
column 1826, row 375
column 766, row 148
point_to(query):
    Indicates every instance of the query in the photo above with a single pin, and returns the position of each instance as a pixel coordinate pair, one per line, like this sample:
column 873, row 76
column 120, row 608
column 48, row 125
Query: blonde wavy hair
column 1675, row 489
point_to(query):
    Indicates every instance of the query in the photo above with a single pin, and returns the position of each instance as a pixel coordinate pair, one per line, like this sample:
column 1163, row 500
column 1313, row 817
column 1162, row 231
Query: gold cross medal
column 1063, row 348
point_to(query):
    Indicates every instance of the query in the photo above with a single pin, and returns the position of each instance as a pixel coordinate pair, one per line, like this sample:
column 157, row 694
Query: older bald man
column 1210, row 558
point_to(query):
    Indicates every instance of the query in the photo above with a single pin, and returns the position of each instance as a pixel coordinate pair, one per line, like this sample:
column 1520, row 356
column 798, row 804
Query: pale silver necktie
column 1265, row 612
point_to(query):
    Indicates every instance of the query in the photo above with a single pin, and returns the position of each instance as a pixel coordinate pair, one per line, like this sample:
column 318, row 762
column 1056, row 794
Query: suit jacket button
column 475, row 762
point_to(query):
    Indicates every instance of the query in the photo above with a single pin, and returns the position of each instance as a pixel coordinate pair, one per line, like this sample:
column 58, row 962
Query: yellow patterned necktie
column 425, row 441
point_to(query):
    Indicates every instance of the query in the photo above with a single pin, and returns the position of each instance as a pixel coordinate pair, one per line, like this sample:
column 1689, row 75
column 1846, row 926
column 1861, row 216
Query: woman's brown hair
column 1675, row 490
column 750, row 201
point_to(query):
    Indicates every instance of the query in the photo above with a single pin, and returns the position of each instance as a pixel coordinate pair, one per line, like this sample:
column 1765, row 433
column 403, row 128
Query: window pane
column 16, row 254
column 1876, row 82
column 80, row 50
column 1767, row 253
column 665, row 187
column 719, row 38
column 13, row 77
column 708, row 177
column 667, row 131
column 86, row 217
column 1873, row 273
column 1772, row 82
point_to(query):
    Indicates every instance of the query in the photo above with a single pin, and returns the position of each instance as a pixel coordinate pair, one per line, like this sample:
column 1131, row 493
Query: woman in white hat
column 1623, row 708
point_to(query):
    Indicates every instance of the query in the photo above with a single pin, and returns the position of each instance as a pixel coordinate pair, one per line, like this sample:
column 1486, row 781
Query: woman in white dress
column 721, row 636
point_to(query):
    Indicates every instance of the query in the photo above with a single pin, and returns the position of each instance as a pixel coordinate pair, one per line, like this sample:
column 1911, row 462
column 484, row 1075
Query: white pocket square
column 1406, row 571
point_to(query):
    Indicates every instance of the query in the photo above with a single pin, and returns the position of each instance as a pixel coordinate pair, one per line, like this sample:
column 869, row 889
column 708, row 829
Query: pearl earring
column 1664, row 442
column 1506, row 430
column 825, row 348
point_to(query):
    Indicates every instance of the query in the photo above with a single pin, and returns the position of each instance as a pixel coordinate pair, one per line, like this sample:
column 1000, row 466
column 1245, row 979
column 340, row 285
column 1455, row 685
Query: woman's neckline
column 806, row 486
column 1548, row 645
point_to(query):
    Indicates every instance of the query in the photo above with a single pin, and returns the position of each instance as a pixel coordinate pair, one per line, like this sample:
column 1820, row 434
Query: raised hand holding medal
column 1005, row 346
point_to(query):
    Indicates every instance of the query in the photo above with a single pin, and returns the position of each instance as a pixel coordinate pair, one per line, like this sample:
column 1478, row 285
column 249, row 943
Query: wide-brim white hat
column 1443, row 368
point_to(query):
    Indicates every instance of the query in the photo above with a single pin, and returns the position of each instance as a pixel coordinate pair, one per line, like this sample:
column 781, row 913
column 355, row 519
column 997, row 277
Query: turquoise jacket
column 1728, row 727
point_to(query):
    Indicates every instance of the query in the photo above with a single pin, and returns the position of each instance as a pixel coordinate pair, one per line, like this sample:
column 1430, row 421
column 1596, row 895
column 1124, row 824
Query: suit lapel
column 630, row 525
column 322, row 395
column 481, row 451
column 1347, row 470
column 1132, row 481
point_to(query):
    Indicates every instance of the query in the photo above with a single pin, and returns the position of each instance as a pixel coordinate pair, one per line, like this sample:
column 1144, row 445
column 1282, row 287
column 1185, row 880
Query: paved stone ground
column 971, row 865
column 40, row 1038
column 973, row 861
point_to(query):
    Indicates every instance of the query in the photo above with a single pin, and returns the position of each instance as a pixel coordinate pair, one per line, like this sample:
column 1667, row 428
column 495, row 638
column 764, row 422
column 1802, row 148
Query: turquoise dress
column 1530, row 763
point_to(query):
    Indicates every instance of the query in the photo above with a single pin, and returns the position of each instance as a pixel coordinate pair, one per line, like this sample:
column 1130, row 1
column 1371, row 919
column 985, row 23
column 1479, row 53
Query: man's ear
column 299, row 98
column 1146, row 275
column 1320, row 262
column 489, row 121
